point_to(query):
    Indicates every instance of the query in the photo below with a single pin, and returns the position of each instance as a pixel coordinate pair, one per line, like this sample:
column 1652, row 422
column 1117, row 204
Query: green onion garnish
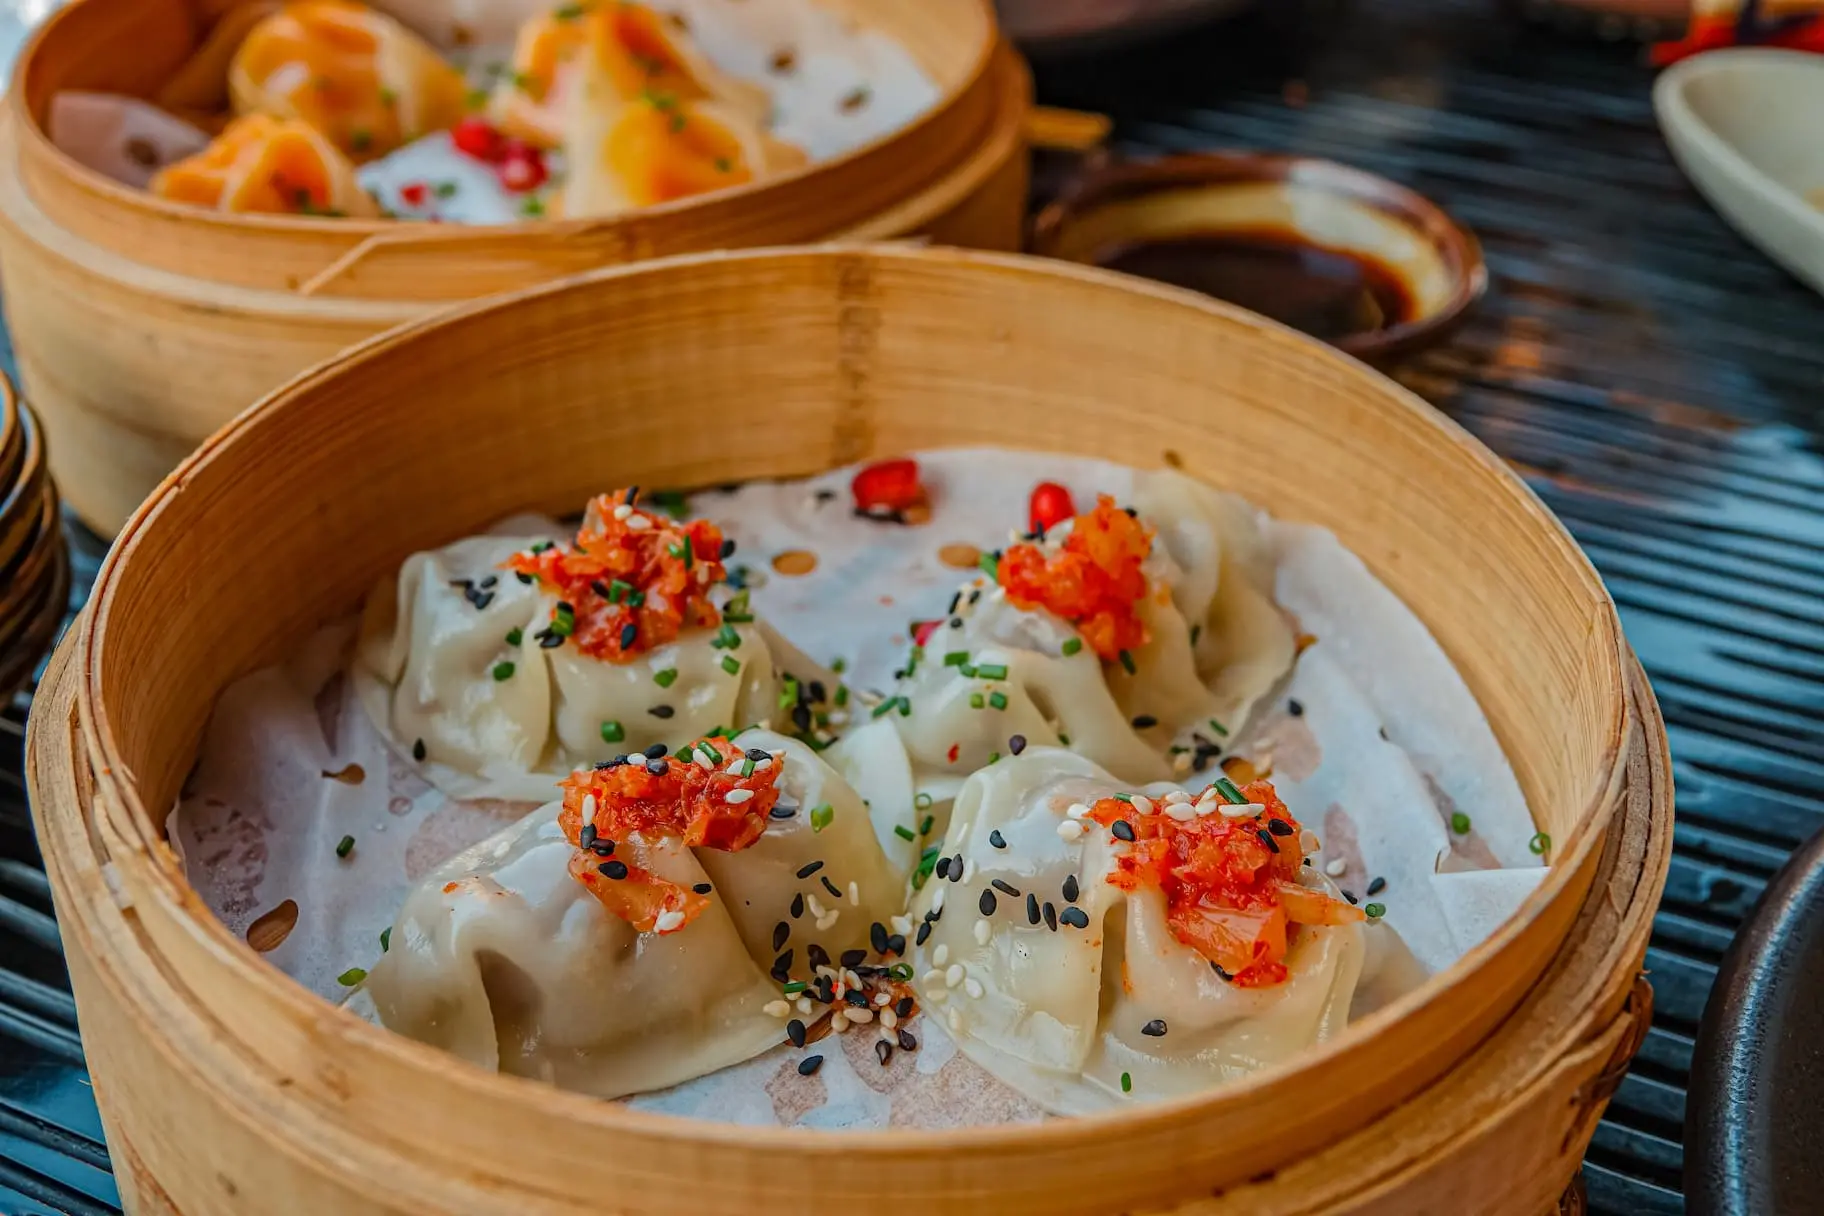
column 619, row 590
column 788, row 693
column 345, row 846
column 1375, row 911
column 1072, row 645
column 1459, row 823
column 1127, row 1083
column 503, row 670
column 900, row 971
column 1227, row 789
column 795, row 987
column 926, row 824
column 1539, row 844
column 821, row 815
column 927, row 862
column 903, row 832
column 726, row 638
column 1127, row 661
column 731, row 664
column 613, row 732
column 956, row 658
column 1218, row 727
column 990, row 564
column 665, row 678
column 515, row 636
column 839, row 665
column 992, row 671
column 386, row 939
column 351, row 977
column 921, row 801
column 998, row 700
column 976, row 700
column 842, row 695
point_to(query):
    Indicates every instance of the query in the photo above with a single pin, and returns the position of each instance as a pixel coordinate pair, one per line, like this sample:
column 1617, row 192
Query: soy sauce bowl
column 1361, row 262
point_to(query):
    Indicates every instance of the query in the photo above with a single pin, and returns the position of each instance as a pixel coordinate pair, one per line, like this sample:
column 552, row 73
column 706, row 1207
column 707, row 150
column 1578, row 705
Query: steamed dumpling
column 506, row 662
column 362, row 79
column 1064, row 957
column 265, row 164
column 1139, row 639
column 602, row 56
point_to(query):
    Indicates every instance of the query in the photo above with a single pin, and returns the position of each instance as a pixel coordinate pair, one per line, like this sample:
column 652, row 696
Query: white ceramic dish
column 1743, row 124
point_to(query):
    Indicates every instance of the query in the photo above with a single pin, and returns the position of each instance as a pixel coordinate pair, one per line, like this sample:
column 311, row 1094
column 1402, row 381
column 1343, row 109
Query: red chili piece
column 476, row 136
column 922, row 631
column 413, row 194
column 522, row 167
column 1051, row 505
column 888, row 485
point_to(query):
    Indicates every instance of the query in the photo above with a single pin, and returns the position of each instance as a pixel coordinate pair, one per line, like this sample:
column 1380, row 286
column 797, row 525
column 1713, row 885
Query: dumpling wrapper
column 503, row 959
column 267, row 165
column 1060, row 1013
column 604, row 56
column 427, row 660
column 362, row 79
column 121, row 137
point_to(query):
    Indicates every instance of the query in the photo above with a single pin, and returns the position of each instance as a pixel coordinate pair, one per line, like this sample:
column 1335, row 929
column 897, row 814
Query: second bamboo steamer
column 151, row 324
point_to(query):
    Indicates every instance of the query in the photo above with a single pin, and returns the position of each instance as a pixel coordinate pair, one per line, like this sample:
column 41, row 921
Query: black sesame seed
column 657, row 768
column 728, row 548
column 809, row 1065
column 418, row 750
column 854, row 958
column 798, row 905
column 883, row 1050
column 1076, row 918
column 614, row 869
column 782, row 932
column 629, row 632
column 955, row 599
column 655, row 751
column 906, row 1041
column 783, row 811
column 1145, row 721
column 1154, row 1029
column 703, row 888
column 587, row 835
column 975, row 597
column 603, row 847
column 1005, row 888
column 832, row 888
column 1016, row 744
column 1376, row 886
column 986, row 903
column 877, row 937
column 1032, row 909
column 924, row 931
column 757, row 754
column 1051, row 915
column 600, row 588
column 996, row 839
column 801, row 717
column 1266, row 838
column 549, row 641
column 1349, row 895
column 818, row 691
column 1280, row 827
column 1295, row 708
column 856, row 997
column 481, row 599
column 1122, row 829
column 809, row 868
column 794, row 1030
column 956, row 868
column 1221, row 974
column 956, row 622
column 943, row 867
column 816, row 955
column 1070, row 888
column 904, row 1007
column 896, row 943
column 661, row 711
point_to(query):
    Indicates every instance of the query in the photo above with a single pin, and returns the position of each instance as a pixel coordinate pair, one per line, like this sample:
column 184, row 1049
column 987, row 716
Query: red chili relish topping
column 1230, row 884
column 633, row 580
column 1093, row 580
column 664, row 798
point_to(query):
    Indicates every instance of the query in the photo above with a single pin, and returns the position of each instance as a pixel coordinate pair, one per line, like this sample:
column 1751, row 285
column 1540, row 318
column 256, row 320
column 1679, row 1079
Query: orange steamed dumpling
column 265, row 164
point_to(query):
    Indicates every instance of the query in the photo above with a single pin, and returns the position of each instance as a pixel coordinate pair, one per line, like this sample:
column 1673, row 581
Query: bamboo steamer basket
column 34, row 557
column 227, row 1087
column 205, row 313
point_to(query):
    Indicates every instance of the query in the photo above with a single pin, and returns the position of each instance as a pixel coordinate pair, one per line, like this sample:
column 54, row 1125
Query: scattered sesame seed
column 1295, row 708
column 854, row 893
column 1070, row 888
column 614, row 869
column 794, row 1030
column 941, row 955
column 777, row 1009
column 1005, row 888
column 1144, row 721
column 1070, row 829
column 1336, row 867
column 859, row 1016
column 810, row 1064
column 781, row 933
column 973, row 987
column 924, row 931
column 1077, row 810
column 782, row 811
column 943, row 867
column 1032, row 909
column 661, row 711
column 1123, row 830
column 703, row 888
column 986, row 903
column 1154, row 1029
column 418, row 750
column 1050, row 911
column 834, row 890
column 1075, row 917
column 953, row 975
column 1376, row 886
column 996, row 839
column 853, row 958
column 1016, row 744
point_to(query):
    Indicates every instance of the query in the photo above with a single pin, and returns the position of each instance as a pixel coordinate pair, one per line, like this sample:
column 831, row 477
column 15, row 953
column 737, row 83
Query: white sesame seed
column 760, row 766
column 888, row 1019
column 1208, row 805
column 937, row 901
column 1077, row 810
column 839, row 717
column 588, row 810
column 1070, row 829
column 734, row 766
column 887, row 1033
column 817, row 909
column 1336, row 867
column 932, row 977
column 883, row 998
column 638, row 523
column 855, row 893
column 1142, row 804
column 901, row 924
column 827, row 972
column 839, row 1021
column 1181, row 763
column 623, row 511
column 827, row 921
column 1176, row 796
column 941, row 955
column 778, row 1009
column 703, row 761
column 804, row 1004
column 983, row 931
column 736, row 797
column 668, row 921
column 969, row 870
column 937, row 995
column 973, row 987
column 1246, row 810
column 953, row 975
column 850, row 978
column 954, row 1020
column 859, row 1016
column 1308, row 841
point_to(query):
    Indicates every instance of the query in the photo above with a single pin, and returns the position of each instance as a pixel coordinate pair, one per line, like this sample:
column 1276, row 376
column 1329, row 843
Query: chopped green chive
column 926, row 824
column 992, row 671
column 900, row 971
column 1072, row 645
column 568, row 12
column 619, row 590
column 821, row 815
column 541, row 546
column 839, row 665
column 922, row 801
column 1375, row 911
column 351, row 977
column 726, row 638
column 1127, row 1083
column 967, row 671
column 738, row 609
column 747, row 767
column 788, row 693
column 360, row 140
column 532, row 207
column 665, row 678
column 731, row 664
column 1539, row 844
column 905, row 707
column 998, row 700
column 990, row 564
column 477, row 98
column 956, row 658
column 903, row 832
column 993, row 756
column 345, row 846
column 842, row 695
column 386, row 939
column 503, row 670
column 1459, row 823
column 613, row 732
column 724, row 165
column 976, row 700
column 1063, row 739
column 444, row 189
column 1218, row 727
column 795, row 987
column 1227, row 789
column 515, row 636
column 1127, row 661
column 389, row 97
column 1128, row 798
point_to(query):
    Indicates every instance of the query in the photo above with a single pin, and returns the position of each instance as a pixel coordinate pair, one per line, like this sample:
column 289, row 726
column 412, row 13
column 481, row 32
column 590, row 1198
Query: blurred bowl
column 1048, row 27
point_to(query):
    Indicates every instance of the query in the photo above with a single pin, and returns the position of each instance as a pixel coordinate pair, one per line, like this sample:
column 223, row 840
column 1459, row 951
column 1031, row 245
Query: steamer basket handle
column 1057, row 130
column 1596, row 1092
column 480, row 261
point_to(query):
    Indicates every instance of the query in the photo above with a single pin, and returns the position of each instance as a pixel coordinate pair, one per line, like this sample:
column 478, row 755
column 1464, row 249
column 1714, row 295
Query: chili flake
column 632, row 581
column 1231, row 895
column 1093, row 580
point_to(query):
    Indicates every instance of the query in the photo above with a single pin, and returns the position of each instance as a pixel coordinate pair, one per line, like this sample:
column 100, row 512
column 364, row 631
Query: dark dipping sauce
column 1324, row 292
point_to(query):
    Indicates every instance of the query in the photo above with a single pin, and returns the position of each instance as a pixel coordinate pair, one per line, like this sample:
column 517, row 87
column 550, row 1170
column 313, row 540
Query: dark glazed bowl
column 1075, row 27
column 1754, row 1143
column 1324, row 204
